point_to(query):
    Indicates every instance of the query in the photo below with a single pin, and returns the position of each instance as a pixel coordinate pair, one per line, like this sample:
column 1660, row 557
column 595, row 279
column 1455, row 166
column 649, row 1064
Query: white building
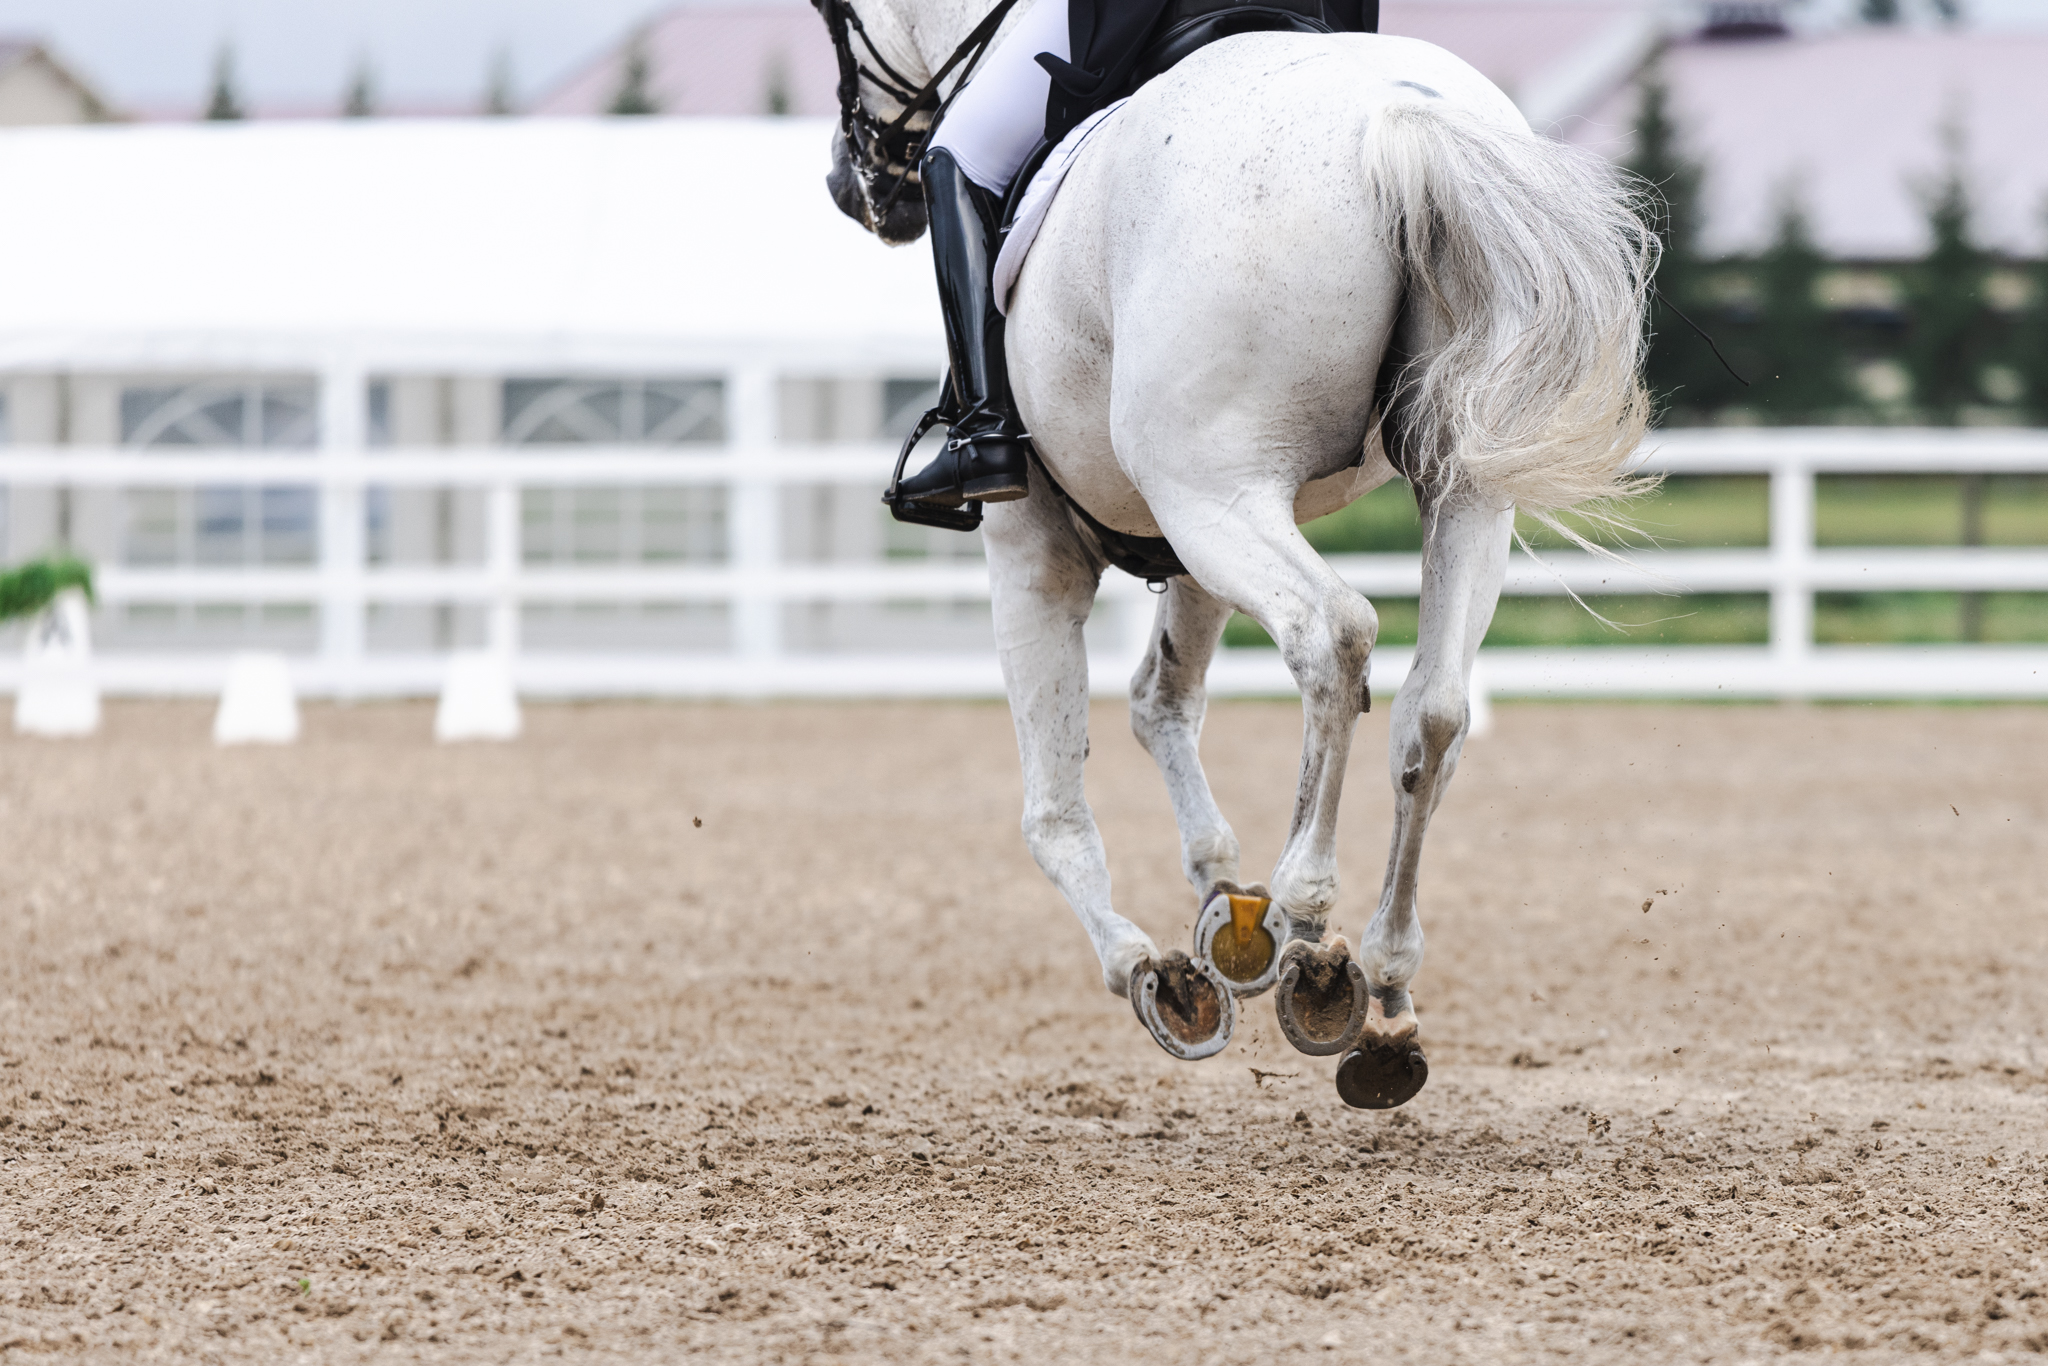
column 670, row 298
column 36, row 88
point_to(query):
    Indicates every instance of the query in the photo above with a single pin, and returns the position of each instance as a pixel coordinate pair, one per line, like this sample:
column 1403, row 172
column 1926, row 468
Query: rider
column 1063, row 60
column 991, row 127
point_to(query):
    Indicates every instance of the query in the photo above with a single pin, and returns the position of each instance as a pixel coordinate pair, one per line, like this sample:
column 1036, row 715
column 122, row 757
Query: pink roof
column 1850, row 123
column 718, row 60
column 1516, row 44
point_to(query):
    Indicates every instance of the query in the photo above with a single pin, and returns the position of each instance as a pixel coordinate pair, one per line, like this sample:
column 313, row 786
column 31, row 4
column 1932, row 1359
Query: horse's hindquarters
column 1210, row 288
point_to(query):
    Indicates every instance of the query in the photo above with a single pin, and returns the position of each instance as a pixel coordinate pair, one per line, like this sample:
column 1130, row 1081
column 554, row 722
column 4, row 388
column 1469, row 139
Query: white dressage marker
column 1291, row 268
column 257, row 705
column 478, row 701
column 1481, row 702
column 59, row 695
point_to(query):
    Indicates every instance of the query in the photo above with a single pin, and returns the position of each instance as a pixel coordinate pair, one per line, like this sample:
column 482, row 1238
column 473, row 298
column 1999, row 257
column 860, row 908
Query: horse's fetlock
column 1211, row 858
column 1390, row 966
column 1306, row 900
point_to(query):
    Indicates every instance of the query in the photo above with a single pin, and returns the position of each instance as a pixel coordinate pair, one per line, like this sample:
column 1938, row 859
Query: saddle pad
column 1037, row 202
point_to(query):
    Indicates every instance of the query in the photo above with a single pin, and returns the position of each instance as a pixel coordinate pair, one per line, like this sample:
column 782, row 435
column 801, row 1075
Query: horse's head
column 881, row 74
column 861, row 199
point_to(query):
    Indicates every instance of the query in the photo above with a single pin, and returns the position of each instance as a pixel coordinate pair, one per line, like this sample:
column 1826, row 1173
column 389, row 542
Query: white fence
column 757, row 581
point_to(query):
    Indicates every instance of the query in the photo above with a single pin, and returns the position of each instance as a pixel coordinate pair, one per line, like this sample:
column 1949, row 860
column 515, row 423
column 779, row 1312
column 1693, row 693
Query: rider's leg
column 987, row 454
column 984, row 138
column 999, row 117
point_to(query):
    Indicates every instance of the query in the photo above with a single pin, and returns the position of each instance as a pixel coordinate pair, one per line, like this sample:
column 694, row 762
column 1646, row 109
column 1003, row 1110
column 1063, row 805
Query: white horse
column 1287, row 270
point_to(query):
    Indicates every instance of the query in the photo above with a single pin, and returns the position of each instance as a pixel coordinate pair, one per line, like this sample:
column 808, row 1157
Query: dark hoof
column 1382, row 1076
column 1241, row 933
column 1185, row 1005
column 1322, row 1001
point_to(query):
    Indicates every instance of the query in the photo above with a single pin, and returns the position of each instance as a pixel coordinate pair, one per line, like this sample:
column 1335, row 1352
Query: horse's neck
column 917, row 36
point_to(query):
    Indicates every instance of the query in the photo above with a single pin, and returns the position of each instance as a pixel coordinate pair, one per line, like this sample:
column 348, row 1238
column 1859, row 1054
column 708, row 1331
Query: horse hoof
column 1323, row 1000
column 1185, row 1004
column 1241, row 934
column 1381, row 1076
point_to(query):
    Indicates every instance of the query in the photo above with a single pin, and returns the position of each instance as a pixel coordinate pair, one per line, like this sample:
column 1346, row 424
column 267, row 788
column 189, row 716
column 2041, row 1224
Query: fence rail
column 756, row 581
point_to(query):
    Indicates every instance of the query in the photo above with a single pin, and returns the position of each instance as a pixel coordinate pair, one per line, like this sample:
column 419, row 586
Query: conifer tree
column 361, row 101
column 636, row 94
column 224, row 104
column 1681, row 370
column 779, row 101
column 2030, row 341
column 498, row 97
column 1800, row 371
column 1951, row 329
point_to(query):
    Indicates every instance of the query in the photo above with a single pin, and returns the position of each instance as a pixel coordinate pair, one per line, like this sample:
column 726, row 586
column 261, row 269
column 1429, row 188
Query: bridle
column 885, row 155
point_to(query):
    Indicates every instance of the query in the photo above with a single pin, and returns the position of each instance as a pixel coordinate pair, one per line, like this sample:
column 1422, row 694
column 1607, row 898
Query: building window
column 6, row 437
column 602, row 412
column 602, row 525
column 268, row 414
column 222, row 525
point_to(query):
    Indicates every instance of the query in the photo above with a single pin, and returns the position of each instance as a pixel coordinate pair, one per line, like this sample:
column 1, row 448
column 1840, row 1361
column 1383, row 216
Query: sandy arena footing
column 369, row 1049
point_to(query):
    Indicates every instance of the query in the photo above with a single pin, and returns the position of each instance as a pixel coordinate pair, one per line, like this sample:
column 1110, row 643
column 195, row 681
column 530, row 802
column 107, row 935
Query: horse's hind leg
column 1464, row 559
column 1238, row 931
column 1249, row 553
column 1042, row 583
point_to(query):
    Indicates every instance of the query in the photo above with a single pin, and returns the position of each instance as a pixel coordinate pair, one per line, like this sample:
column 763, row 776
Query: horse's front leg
column 1042, row 582
column 1464, row 559
column 1238, row 930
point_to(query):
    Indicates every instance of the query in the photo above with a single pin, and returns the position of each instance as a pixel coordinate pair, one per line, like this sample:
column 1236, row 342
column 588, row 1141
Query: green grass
column 1702, row 512
column 1928, row 510
column 1698, row 512
column 1642, row 618
column 1928, row 618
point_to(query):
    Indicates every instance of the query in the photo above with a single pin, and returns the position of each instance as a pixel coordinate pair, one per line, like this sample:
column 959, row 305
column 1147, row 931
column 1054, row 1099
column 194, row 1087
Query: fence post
column 502, row 556
column 754, row 520
column 1792, row 531
column 344, row 414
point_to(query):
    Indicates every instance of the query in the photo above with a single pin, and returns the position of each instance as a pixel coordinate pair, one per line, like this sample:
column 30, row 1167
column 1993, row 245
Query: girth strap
column 1151, row 558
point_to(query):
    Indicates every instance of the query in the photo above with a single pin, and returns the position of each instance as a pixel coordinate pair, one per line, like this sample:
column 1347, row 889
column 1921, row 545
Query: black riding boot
column 987, row 450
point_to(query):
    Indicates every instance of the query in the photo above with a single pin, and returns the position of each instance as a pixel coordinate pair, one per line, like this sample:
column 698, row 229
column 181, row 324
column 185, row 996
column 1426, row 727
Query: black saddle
column 1190, row 25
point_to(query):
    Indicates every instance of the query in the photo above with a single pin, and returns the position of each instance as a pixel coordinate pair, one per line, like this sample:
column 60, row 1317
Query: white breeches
column 1000, row 116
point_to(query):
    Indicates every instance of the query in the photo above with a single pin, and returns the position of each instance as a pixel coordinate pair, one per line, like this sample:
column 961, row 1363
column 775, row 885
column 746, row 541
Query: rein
column 888, row 153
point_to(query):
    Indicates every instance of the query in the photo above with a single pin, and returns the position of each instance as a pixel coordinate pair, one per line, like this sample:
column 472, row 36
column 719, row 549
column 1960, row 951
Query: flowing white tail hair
column 1534, row 259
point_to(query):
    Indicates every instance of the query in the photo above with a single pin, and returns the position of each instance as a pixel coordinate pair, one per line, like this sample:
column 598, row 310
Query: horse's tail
column 1530, row 264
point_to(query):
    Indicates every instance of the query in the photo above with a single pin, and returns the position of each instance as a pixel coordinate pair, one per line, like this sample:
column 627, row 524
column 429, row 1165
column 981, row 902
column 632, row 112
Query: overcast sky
column 158, row 54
